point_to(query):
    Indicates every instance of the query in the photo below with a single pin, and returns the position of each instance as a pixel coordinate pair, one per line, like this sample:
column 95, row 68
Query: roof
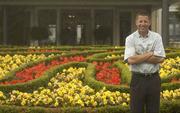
column 80, row 2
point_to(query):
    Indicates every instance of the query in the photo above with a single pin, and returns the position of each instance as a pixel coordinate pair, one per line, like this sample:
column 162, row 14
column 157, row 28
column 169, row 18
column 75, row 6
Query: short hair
column 143, row 13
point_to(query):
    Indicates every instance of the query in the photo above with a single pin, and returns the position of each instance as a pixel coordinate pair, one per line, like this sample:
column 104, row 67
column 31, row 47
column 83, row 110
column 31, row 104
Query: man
column 144, row 51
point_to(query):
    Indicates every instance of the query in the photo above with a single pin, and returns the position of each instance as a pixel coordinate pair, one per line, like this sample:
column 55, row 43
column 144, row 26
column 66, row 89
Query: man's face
column 143, row 23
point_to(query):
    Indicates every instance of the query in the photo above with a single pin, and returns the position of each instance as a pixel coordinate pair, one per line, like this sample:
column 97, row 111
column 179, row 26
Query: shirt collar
column 140, row 36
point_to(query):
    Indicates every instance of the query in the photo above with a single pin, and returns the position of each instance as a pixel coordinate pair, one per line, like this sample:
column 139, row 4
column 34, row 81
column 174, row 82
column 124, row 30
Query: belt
column 145, row 74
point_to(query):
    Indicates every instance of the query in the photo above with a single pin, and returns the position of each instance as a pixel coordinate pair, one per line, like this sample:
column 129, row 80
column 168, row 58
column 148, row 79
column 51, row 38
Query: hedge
column 172, row 55
column 92, row 82
column 170, row 86
column 100, row 56
column 61, row 48
column 41, row 81
column 125, row 72
column 165, row 107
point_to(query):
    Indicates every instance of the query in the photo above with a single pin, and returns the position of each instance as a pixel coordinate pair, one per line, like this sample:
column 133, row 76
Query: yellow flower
column 124, row 104
column 56, row 103
column 23, row 102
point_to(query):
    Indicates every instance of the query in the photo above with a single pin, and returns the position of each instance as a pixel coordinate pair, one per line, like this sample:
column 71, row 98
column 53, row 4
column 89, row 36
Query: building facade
column 76, row 22
column 174, row 22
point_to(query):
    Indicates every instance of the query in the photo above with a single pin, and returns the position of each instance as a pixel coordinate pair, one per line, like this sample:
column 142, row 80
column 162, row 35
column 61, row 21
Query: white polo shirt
column 136, row 45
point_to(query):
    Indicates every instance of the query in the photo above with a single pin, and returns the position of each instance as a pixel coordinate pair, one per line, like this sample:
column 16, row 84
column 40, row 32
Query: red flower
column 37, row 71
column 106, row 74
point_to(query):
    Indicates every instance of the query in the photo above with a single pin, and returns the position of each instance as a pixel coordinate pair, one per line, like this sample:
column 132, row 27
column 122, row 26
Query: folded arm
column 136, row 59
column 155, row 59
column 146, row 57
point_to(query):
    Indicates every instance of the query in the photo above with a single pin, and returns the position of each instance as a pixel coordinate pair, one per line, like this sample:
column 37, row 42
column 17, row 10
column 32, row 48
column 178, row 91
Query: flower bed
column 37, row 70
column 101, row 85
column 9, row 63
column 107, row 74
column 170, row 70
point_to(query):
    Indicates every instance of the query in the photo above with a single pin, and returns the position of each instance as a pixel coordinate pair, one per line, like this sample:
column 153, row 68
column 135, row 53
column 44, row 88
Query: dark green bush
column 165, row 107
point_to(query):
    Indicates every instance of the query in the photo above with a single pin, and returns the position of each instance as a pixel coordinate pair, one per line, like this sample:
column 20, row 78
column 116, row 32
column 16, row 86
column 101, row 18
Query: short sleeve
column 159, row 48
column 129, row 48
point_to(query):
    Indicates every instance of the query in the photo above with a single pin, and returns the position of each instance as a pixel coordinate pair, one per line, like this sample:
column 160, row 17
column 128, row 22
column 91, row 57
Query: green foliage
column 92, row 82
column 100, row 56
column 125, row 72
column 165, row 107
column 41, row 81
column 172, row 55
column 170, row 86
column 170, row 106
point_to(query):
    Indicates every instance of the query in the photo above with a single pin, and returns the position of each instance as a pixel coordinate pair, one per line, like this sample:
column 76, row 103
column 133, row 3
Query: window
column 1, row 26
column 47, row 25
column 174, row 26
column 177, row 29
column 18, row 22
column 171, row 29
column 103, row 26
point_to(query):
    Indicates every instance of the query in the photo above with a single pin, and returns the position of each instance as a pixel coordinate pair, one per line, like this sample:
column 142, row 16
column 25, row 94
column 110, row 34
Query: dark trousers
column 145, row 93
